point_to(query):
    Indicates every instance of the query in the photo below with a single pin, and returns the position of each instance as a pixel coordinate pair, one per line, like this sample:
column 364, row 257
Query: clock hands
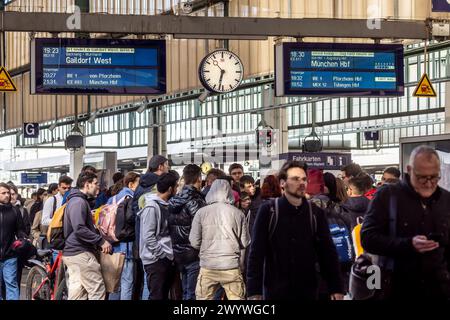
column 216, row 63
column 222, row 72
column 221, row 76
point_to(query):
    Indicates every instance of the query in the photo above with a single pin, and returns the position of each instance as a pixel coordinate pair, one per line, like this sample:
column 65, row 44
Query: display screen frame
column 37, row 72
column 283, row 69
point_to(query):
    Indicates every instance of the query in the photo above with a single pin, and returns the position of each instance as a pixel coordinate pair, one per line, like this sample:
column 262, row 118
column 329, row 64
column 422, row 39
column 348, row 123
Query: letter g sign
column 30, row 130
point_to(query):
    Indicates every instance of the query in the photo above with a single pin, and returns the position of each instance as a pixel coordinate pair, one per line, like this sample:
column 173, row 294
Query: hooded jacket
column 219, row 230
column 11, row 226
column 182, row 209
column 356, row 207
column 146, row 184
column 154, row 242
column 79, row 232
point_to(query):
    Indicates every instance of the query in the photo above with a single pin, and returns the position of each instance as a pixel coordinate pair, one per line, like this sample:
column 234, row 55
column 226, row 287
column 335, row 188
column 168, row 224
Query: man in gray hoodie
column 82, row 242
column 220, row 232
column 155, row 245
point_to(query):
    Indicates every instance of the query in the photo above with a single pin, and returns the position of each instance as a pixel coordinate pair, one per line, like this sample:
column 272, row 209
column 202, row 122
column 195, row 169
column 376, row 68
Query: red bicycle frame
column 53, row 272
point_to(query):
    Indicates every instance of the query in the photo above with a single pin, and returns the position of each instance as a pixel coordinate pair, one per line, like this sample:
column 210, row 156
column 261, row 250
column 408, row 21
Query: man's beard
column 298, row 195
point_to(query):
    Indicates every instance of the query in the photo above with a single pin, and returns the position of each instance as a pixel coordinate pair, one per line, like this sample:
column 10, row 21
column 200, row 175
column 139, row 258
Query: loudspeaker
column 74, row 141
column 312, row 143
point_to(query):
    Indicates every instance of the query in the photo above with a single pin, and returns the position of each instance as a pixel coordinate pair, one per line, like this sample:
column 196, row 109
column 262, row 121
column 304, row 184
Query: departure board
column 330, row 69
column 98, row 66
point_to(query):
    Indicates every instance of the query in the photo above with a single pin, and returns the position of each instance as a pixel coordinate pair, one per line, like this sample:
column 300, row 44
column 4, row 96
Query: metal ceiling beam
column 220, row 26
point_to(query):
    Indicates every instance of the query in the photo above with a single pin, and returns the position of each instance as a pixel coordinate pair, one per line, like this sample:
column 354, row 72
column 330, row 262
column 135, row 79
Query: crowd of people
column 228, row 237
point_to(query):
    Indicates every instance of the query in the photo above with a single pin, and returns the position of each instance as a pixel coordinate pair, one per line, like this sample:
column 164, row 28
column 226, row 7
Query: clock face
column 221, row 71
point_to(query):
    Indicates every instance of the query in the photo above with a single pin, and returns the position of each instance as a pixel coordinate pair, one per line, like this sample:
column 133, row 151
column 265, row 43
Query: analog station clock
column 221, row 71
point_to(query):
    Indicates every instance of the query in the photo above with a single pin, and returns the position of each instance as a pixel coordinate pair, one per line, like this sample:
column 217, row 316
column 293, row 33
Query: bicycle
column 46, row 281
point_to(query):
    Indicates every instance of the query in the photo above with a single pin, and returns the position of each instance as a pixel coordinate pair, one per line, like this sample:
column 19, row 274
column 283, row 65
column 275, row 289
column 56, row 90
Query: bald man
column 419, row 246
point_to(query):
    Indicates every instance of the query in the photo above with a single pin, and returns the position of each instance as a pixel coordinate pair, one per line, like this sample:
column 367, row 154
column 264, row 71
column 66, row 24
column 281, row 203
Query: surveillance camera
column 186, row 7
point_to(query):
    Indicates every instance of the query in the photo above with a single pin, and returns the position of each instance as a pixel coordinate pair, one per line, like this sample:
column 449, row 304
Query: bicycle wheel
column 62, row 292
column 35, row 277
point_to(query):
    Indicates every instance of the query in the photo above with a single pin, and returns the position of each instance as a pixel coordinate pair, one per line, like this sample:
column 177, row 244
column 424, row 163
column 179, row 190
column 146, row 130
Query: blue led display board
column 98, row 66
column 33, row 178
column 338, row 69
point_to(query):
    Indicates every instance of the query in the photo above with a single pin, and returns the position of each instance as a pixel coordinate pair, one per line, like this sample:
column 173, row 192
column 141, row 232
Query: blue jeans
column 145, row 291
column 8, row 274
column 189, row 275
column 126, row 280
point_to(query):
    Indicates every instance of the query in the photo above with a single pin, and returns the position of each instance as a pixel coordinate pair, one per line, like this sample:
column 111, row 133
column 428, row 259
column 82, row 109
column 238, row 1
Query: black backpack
column 125, row 221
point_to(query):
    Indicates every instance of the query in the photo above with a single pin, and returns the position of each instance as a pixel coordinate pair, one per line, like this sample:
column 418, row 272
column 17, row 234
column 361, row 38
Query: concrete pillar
column 157, row 133
column 447, row 107
column 76, row 163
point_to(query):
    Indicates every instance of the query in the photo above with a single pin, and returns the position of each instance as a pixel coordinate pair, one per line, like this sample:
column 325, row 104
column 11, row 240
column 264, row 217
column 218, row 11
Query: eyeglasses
column 425, row 179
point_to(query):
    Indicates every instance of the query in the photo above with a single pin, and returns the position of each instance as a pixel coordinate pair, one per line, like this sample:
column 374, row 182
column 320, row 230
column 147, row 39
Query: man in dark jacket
column 82, row 242
column 11, row 227
column 182, row 209
column 282, row 260
column 356, row 205
column 247, row 184
column 420, row 247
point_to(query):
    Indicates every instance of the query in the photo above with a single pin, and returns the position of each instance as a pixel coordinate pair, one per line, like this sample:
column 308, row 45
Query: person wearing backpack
column 155, row 244
column 54, row 201
column 290, row 237
column 125, row 233
column 183, row 208
column 157, row 165
column 340, row 224
column 82, row 242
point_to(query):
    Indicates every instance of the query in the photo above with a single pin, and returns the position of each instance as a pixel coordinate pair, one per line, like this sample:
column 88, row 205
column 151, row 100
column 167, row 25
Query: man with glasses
column 419, row 248
column 290, row 237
